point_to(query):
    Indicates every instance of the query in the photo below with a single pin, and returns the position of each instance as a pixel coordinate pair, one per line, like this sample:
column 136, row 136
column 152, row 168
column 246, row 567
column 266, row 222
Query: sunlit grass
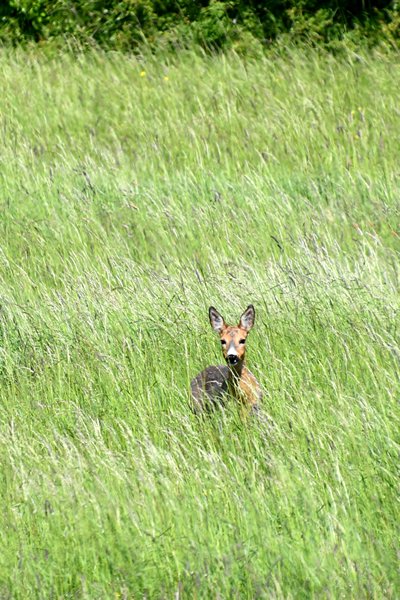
column 134, row 194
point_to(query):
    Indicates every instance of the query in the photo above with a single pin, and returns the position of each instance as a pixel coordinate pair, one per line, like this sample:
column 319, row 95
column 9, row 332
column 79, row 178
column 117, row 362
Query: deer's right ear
column 216, row 320
column 247, row 318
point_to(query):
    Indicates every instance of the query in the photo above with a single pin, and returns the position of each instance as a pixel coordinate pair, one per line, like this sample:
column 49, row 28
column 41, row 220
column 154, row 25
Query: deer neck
column 235, row 373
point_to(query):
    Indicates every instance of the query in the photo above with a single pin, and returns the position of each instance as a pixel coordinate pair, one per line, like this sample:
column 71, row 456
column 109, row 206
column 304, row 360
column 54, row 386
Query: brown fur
column 214, row 385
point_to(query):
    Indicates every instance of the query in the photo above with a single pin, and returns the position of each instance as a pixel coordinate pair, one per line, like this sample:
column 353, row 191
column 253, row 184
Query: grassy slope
column 134, row 195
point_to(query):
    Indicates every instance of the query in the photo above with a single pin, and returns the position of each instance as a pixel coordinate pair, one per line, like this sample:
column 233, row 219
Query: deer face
column 233, row 338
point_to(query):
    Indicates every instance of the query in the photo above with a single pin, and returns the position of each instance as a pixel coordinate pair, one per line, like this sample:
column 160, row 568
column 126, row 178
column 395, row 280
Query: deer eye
column 242, row 341
column 223, row 342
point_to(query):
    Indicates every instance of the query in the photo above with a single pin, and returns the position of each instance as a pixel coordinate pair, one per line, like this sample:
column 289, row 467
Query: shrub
column 125, row 24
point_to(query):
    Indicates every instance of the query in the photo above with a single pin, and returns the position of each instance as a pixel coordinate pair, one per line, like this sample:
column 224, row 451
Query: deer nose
column 232, row 359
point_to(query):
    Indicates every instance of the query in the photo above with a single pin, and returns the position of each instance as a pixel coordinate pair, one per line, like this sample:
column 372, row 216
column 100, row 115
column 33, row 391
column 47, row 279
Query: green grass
column 133, row 195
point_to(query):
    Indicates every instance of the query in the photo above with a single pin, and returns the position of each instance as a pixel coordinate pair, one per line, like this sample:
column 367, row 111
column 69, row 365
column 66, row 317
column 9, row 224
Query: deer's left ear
column 247, row 319
column 216, row 320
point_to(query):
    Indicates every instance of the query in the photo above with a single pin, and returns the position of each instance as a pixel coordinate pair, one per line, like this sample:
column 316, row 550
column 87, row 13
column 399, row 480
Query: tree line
column 212, row 24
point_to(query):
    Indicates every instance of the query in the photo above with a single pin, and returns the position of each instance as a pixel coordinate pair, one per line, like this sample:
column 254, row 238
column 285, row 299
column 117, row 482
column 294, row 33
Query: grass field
column 133, row 195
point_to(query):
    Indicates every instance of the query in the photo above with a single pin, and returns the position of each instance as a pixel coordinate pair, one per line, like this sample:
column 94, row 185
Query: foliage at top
column 215, row 24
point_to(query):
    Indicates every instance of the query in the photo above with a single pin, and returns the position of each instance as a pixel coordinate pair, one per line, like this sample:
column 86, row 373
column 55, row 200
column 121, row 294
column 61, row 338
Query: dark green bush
column 125, row 24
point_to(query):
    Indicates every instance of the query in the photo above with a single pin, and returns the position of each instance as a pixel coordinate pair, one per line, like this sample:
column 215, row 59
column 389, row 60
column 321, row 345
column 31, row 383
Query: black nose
column 232, row 359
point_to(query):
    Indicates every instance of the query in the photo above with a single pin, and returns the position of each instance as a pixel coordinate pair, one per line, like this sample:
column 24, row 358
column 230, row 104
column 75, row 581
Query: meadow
column 134, row 193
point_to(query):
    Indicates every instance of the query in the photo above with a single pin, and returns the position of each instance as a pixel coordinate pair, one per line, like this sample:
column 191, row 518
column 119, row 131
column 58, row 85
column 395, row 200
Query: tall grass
column 133, row 194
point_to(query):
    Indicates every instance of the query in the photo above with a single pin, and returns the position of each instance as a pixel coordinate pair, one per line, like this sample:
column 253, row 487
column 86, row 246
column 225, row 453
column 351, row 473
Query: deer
column 215, row 385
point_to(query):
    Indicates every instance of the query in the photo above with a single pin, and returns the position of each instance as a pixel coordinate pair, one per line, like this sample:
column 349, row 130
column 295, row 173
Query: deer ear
column 216, row 320
column 248, row 317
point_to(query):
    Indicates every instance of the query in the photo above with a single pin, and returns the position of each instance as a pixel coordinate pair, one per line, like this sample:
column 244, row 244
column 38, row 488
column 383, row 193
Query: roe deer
column 215, row 384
